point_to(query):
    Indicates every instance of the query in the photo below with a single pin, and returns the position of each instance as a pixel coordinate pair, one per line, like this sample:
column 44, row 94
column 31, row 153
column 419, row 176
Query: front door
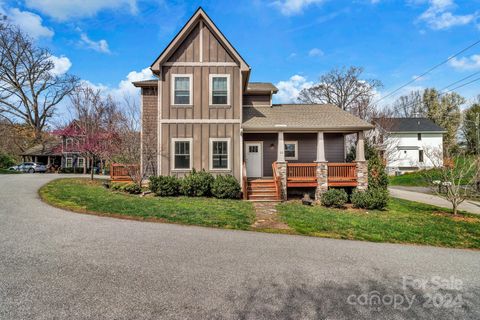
column 253, row 159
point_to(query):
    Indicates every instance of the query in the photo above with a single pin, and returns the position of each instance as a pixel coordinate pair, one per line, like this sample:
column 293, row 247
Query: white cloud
column 466, row 63
column 66, row 9
column 100, row 46
column 125, row 87
column 315, row 52
column 28, row 22
column 289, row 90
column 61, row 65
column 438, row 16
column 292, row 7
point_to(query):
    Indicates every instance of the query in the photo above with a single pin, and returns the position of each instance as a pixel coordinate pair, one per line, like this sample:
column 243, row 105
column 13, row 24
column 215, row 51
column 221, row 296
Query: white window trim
column 228, row 154
column 172, row 91
column 78, row 161
column 172, row 156
column 296, row 150
column 66, row 162
column 210, row 90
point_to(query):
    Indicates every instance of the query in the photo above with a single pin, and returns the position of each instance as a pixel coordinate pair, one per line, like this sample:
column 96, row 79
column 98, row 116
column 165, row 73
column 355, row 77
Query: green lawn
column 84, row 195
column 403, row 222
column 6, row 171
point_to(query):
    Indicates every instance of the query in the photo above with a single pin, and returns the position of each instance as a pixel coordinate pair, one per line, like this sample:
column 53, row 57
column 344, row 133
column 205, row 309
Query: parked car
column 30, row 167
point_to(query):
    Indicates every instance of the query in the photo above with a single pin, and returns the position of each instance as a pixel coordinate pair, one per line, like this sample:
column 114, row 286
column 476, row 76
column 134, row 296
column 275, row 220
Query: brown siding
column 189, row 50
column 213, row 50
column 334, row 147
column 201, row 134
column 257, row 100
column 149, row 130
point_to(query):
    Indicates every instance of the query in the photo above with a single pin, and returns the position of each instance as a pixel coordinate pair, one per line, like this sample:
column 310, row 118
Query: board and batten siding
column 257, row 100
column 307, row 147
column 191, row 121
column 201, row 134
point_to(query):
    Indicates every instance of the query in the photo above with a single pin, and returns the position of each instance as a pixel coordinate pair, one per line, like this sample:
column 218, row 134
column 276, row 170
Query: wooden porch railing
column 301, row 174
column 342, row 174
column 276, row 179
column 244, row 181
column 120, row 172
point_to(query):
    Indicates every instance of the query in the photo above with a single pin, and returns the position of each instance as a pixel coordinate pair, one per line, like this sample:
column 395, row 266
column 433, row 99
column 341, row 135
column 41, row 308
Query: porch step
column 261, row 190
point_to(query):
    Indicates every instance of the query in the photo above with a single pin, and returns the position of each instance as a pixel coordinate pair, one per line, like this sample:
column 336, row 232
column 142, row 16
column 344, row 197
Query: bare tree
column 344, row 88
column 29, row 88
column 453, row 183
column 410, row 105
column 139, row 161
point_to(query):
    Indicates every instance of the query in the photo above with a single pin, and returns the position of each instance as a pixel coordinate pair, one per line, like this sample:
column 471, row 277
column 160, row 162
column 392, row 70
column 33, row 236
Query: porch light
column 272, row 146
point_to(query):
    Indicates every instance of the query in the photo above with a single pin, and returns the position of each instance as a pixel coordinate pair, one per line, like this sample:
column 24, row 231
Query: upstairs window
column 420, row 156
column 419, row 136
column 219, row 89
column 219, row 153
column 182, row 89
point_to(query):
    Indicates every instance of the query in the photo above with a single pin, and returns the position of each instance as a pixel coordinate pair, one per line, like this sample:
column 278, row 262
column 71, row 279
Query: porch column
column 282, row 165
column 360, row 156
column 281, row 147
column 322, row 167
column 362, row 164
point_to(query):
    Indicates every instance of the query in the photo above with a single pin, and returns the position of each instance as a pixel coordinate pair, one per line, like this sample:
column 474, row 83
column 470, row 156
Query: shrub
column 334, row 198
column 197, row 184
column 117, row 186
column 226, row 187
column 165, row 186
column 132, row 188
column 6, row 160
column 377, row 175
column 373, row 198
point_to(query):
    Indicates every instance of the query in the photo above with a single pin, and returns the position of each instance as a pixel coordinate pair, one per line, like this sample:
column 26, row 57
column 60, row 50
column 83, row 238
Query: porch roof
column 322, row 117
column 48, row 148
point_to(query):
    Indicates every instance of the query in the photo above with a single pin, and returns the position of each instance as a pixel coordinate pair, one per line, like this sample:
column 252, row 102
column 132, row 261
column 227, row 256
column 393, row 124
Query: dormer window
column 219, row 89
column 182, row 89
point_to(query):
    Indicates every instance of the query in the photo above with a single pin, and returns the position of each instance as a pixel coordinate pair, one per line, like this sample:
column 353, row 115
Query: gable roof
column 409, row 125
column 260, row 87
column 301, row 117
column 183, row 33
column 48, row 148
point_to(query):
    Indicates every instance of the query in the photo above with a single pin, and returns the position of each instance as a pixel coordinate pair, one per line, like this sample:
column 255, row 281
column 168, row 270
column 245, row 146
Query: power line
column 467, row 77
column 429, row 70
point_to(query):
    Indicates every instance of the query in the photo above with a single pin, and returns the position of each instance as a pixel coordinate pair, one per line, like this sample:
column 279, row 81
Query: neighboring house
column 410, row 144
column 47, row 153
column 203, row 113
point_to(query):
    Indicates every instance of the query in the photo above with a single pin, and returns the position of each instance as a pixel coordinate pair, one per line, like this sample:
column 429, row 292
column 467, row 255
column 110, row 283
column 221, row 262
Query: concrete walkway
column 467, row 205
column 56, row 264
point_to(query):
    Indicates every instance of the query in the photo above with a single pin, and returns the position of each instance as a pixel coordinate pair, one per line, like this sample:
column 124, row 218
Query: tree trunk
column 91, row 169
column 455, row 209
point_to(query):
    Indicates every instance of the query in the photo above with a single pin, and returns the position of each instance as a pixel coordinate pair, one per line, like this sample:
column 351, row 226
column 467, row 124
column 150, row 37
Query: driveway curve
column 56, row 264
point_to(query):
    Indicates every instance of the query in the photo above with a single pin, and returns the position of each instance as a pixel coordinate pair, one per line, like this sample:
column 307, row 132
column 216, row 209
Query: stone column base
column 362, row 175
column 282, row 172
column 322, row 179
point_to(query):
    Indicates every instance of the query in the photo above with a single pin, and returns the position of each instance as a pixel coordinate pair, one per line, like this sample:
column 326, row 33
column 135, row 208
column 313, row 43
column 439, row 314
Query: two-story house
column 202, row 112
column 410, row 144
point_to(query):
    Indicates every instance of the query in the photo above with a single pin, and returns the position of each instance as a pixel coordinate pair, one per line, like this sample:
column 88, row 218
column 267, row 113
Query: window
column 81, row 162
column 182, row 154
column 291, row 150
column 219, row 89
column 182, row 89
column 253, row 149
column 220, row 154
column 68, row 162
column 420, row 155
column 419, row 136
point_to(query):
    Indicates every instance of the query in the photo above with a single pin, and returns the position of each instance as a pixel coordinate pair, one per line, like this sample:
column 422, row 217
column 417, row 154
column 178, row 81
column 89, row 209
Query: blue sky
column 288, row 42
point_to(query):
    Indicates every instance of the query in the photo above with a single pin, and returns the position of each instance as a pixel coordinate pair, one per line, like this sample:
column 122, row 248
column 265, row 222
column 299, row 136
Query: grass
column 403, row 222
column 6, row 171
column 83, row 195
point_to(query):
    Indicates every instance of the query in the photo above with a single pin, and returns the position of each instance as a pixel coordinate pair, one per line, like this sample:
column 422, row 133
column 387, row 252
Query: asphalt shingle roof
column 47, row 148
column 253, row 87
column 409, row 125
column 302, row 117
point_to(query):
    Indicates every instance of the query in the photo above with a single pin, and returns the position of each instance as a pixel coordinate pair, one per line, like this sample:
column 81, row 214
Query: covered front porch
column 277, row 161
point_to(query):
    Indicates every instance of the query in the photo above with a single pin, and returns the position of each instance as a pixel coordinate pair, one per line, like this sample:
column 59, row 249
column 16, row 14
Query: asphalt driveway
column 56, row 264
